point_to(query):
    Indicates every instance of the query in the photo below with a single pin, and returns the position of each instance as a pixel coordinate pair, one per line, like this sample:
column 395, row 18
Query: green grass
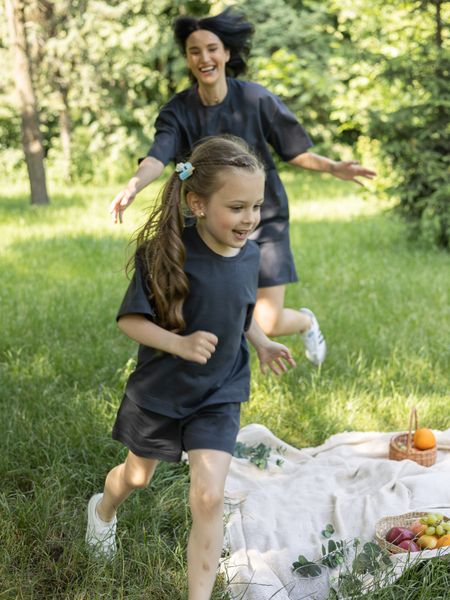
column 382, row 303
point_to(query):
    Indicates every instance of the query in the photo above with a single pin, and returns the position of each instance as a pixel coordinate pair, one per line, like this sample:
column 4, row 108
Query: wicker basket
column 401, row 446
column 384, row 524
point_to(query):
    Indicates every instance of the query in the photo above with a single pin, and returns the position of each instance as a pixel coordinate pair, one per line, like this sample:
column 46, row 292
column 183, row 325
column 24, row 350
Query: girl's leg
column 208, row 470
column 135, row 472
column 273, row 318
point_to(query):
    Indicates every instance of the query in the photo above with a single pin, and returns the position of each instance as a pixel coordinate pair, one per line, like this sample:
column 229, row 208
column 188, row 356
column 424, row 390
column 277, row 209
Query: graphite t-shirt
column 222, row 295
column 250, row 112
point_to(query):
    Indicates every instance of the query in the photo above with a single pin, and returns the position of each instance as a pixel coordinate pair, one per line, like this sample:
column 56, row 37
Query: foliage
column 402, row 96
column 258, row 455
column 369, row 79
column 363, row 561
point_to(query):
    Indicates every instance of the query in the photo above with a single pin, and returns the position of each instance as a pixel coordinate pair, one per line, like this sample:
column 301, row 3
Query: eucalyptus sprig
column 371, row 559
column 258, row 455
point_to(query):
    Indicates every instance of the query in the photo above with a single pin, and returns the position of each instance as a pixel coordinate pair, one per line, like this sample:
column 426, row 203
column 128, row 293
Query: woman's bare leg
column 273, row 318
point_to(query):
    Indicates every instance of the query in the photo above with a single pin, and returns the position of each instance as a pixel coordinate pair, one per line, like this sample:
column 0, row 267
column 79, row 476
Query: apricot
column 443, row 541
column 427, row 542
column 424, row 439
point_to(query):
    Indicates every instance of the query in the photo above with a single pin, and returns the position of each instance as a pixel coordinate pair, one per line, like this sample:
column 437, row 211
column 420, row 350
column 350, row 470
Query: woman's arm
column 347, row 170
column 197, row 347
column 149, row 170
column 269, row 353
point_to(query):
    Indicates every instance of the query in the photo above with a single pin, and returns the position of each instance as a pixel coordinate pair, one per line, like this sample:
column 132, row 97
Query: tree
column 31, row 135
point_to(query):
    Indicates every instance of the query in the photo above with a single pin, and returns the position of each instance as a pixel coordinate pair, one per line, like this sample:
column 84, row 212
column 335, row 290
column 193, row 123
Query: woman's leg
column 276, row 320
column 136, row 472
column 208, row 470
column 273, row 318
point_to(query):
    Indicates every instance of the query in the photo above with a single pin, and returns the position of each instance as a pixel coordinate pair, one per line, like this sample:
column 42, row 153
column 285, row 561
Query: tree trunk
column 31, row 135
column 64, row 132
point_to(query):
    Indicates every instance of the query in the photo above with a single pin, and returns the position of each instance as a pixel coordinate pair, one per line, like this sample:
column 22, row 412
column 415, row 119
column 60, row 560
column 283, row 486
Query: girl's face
column 232, row 213
column 206, row 57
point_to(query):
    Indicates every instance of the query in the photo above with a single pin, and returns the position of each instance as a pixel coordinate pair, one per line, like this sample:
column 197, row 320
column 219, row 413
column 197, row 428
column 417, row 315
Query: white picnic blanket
column 274, row 515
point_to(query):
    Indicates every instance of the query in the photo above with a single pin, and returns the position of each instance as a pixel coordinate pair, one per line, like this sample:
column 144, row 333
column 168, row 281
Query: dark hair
column 230, row 27
column 159, row 243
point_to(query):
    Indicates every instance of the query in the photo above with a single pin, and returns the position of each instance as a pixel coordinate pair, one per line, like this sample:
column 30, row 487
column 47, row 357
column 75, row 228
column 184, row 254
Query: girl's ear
column 196, row 204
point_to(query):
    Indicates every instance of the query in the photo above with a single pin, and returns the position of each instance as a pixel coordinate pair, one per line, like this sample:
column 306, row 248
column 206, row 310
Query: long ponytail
column 162, row 254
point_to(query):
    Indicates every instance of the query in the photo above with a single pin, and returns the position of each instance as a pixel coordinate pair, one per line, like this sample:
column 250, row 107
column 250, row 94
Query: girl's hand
column 197, row 347
column 275, row 356
column 350, row 169
column 120, row 203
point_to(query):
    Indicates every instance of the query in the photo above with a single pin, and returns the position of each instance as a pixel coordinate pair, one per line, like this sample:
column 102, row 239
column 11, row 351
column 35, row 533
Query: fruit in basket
column 395, row 535
column 443, row 541
column 427, row 542
column 424, row 439
column 429, row 519
column 418, row 528
column 409, row 545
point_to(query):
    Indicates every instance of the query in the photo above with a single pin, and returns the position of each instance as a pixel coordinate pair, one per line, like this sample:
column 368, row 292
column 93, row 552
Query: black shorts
column 277, row 263
column 152, row 435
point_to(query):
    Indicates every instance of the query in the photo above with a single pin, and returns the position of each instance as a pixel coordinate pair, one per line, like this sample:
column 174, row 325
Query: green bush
column 414, row 136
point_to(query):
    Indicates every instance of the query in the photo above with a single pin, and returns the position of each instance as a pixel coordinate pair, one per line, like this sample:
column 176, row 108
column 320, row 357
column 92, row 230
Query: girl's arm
column 347, row 169
column 197, row 347
column 149, row 170
column 270, row 354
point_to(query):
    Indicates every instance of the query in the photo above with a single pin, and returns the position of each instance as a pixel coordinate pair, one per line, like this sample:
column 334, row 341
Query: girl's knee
column 138, row 477
column 205, row 500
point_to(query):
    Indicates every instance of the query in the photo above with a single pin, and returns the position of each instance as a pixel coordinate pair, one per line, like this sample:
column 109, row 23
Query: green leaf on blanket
column 328, row 531
column 258, row 455
column 308, row 568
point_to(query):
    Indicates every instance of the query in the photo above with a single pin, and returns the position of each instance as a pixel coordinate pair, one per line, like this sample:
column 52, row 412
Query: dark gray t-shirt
column 250, row 112
column 221, row 300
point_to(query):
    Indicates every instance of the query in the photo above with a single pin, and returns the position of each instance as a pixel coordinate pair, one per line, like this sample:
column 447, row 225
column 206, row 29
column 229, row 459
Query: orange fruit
column 424, row 439
column 443, row 541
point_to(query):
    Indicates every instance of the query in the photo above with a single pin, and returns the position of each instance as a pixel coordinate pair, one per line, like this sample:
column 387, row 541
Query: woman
column 218, row 104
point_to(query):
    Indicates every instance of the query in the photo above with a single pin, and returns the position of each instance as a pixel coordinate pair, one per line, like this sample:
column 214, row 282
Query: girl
column 188, row 305
column 215, row 46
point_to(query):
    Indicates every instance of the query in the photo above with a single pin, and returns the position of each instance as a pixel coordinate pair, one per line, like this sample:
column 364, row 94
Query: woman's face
column 206, row 57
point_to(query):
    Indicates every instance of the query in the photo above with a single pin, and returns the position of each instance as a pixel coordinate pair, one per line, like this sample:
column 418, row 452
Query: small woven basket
column 401, row 446
column 384, row 524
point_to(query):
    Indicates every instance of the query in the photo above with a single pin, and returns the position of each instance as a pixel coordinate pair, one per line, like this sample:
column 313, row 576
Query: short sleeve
column 286, row 135
column 136, row 299
column 166, row 144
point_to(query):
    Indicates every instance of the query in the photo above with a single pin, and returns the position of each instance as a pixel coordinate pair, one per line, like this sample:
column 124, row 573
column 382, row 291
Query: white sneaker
column 100, row 535
column 315, row 345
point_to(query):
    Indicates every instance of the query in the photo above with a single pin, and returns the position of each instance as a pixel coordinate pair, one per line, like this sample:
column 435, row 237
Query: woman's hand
column 120, row 203
column 197, row 347
column 276, row 357
column 149, row 170
column 350, row 169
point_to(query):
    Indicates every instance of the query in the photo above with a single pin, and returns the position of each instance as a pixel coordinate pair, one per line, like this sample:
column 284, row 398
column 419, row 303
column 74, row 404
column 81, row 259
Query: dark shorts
column 152, row 435
column 277, row 263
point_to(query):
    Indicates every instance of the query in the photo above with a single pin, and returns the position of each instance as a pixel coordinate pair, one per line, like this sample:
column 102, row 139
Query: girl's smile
column 230, row 215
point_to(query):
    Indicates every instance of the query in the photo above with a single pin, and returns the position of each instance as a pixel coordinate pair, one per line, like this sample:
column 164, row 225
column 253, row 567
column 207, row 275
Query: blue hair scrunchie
column 184, row 170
